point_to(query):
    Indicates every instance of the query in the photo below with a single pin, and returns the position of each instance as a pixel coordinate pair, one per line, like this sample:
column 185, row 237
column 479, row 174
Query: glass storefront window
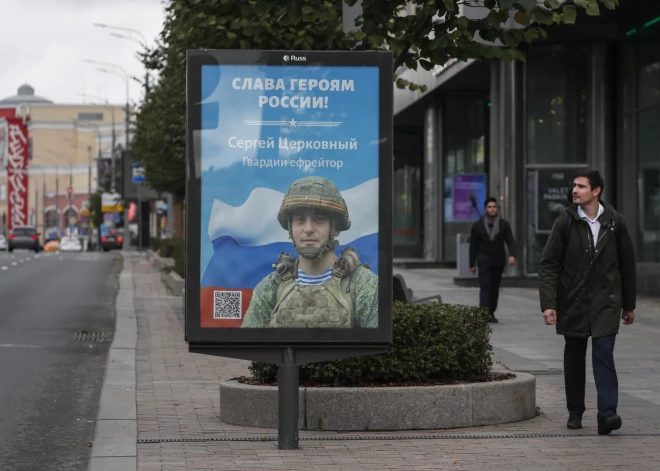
column 648, row 201
column 648, row 83
column 556, row 80
column 408, row 207
column 464, row 152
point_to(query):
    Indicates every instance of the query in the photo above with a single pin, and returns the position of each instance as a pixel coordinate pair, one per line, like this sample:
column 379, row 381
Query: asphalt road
column 50, row 378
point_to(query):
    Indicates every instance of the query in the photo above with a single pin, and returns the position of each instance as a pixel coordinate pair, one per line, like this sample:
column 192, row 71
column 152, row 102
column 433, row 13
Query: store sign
column 553, row 187
column 17, row 175
column 4, row 141
column 290, row 168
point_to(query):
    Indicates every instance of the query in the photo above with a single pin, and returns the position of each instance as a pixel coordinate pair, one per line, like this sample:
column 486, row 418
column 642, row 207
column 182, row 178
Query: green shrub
column 432, row 343
column 155, row 243
column 175, row 249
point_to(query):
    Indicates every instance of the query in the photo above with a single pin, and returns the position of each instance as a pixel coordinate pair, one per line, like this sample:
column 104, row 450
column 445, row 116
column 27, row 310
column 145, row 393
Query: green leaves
column 525, row 5
column 570, row 14
column 543, row 16
column 521, row 18
column 450, row 5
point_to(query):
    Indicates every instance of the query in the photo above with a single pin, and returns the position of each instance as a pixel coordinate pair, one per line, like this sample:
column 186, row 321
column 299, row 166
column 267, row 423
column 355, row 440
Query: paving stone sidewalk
column 178, row 398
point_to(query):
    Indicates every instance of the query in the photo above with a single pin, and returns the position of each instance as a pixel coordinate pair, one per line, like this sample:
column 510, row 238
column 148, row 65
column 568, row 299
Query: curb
column 172, row 279
column 386, row 408
column 115, row 438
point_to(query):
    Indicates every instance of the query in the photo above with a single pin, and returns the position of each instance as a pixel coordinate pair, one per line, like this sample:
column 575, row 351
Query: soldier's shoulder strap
column 286, row 267
column 347, row 263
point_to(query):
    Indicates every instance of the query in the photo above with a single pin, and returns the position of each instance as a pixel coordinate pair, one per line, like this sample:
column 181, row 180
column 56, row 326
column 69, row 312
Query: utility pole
column 57, row 199
column 112, row 153
column 70, row 189
column 89, row 198
column 43, row 207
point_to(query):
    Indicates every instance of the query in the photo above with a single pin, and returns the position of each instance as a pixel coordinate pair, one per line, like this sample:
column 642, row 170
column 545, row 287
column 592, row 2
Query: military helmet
column 314, row 193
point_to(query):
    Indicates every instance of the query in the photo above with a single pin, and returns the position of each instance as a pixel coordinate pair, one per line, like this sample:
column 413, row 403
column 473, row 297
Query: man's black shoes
column 574, row 421
column 605, row 426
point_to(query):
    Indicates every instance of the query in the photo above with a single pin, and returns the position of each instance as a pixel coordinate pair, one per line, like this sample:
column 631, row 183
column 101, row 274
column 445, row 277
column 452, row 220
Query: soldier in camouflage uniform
column 318, row 289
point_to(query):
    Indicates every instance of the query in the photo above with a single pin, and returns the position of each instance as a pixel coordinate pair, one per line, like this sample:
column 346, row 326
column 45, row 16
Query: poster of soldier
column 290, row 160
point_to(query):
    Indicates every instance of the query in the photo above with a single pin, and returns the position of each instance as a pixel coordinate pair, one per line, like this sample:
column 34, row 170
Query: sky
column 45, row 42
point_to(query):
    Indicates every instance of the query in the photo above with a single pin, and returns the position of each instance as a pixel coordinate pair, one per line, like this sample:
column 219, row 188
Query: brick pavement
column 178, row 398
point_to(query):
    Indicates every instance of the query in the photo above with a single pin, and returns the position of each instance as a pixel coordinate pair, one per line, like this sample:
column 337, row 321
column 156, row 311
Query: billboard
column 468, row 196
column 288, row 218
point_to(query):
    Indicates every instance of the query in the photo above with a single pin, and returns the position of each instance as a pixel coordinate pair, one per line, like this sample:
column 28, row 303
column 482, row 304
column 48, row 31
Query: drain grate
column 85, row 336
column 397, row 437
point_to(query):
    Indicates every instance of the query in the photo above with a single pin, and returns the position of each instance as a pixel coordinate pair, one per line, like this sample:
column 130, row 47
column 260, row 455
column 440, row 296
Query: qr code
column 227, row 304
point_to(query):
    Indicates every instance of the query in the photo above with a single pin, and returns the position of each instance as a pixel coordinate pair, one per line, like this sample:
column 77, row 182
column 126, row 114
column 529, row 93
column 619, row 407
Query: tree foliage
column 422, row 33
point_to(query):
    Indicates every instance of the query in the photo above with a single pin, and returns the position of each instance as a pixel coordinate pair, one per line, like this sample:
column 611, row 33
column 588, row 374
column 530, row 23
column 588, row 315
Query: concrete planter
column 174, row 282
column 386, row 408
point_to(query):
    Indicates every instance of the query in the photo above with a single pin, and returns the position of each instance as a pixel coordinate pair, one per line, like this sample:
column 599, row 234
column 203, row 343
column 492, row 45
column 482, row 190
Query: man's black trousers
column 490, row 277
column 602, row 358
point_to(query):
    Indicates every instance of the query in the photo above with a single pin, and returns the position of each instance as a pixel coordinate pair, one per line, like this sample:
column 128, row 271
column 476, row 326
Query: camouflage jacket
column 364, row 293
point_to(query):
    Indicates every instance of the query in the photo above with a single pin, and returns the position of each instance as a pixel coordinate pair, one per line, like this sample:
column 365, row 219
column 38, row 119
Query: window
column 648, row 153
column 556, row 82
column 464, row 152
column 408, row 226
column 90, row 116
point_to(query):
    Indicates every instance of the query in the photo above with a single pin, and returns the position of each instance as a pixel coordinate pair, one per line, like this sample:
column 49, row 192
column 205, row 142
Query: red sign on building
column 17, row 170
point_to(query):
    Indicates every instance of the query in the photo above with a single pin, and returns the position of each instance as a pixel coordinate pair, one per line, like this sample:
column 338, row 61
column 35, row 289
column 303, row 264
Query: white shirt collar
column 583, row 215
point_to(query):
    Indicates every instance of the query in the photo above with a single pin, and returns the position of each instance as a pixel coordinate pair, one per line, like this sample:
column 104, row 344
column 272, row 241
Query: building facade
column 588, row 95
column 70, row 147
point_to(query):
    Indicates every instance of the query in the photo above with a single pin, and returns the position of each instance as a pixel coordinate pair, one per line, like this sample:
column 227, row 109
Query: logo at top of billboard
column 289, row 192
column 292, row 58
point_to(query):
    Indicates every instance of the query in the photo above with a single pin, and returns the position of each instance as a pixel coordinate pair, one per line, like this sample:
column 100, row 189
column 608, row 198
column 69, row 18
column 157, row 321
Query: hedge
column 176, row 249
column 432, row 344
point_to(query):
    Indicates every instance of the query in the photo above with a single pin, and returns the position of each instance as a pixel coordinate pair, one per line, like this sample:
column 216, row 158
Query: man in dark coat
column 487, row 240
column 586, row 279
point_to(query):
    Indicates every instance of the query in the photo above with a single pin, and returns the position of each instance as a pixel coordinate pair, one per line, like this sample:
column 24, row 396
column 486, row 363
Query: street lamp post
column 120, row 72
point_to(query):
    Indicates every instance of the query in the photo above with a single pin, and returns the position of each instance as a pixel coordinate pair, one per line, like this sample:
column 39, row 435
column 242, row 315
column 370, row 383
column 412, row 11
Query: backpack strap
column 566, row 229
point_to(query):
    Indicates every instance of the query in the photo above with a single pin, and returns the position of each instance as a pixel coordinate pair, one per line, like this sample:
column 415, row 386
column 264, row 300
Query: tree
column 434, row 32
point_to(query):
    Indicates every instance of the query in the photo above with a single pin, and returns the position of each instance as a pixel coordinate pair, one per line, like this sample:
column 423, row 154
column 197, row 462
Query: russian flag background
column 241, row 237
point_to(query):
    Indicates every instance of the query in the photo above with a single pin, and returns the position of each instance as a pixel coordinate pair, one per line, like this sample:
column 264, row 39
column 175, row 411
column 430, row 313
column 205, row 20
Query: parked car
column 114, row 239
column 3, row 242
column 70, row 244
column 24, row 237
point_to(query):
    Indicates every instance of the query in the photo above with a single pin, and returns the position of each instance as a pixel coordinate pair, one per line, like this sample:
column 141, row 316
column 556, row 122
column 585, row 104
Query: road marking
column 5, row 268
column 16, row 345
column 28, row 258
column 13, row 264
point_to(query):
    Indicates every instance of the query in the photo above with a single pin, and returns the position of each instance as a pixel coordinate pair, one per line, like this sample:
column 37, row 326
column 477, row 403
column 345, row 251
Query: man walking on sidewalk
column 586, row 278
column 487, row 240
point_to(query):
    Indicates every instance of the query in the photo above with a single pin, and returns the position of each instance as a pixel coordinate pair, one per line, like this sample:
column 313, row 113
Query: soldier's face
column 310, row 229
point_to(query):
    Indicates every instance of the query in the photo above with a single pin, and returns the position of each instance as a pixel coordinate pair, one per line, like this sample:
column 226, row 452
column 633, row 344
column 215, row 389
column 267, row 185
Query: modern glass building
column 588, row 95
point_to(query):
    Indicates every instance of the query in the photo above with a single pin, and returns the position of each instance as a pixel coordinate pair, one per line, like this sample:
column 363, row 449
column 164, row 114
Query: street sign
column 139, row 174
column 69, row 190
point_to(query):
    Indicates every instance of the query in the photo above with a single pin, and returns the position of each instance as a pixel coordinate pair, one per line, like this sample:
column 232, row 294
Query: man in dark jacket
column 586, row 279
column 487, row 240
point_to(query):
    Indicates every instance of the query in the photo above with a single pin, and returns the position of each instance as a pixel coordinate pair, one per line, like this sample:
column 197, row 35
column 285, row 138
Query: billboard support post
column 287, row 387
